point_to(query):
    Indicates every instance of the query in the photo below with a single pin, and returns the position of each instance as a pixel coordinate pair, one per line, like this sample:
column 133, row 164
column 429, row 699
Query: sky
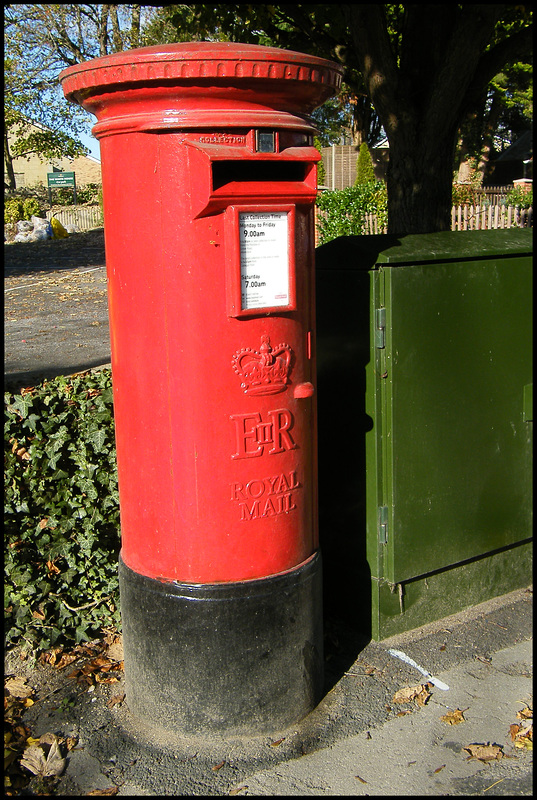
column 90, row 141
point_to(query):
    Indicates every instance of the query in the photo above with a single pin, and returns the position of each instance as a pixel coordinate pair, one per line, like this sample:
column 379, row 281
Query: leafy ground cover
column 61, row 512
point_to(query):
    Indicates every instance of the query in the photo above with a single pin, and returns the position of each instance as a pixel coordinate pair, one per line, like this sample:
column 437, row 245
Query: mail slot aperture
column 252, row 171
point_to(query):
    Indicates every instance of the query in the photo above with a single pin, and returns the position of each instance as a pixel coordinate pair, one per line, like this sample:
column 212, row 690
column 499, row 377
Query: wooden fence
column 464, row 218
column 495, row 194
column 84, row 218
column 473, row 218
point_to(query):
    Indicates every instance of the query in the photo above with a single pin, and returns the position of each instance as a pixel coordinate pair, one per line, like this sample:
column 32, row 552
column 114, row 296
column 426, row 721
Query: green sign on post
column 60, row 180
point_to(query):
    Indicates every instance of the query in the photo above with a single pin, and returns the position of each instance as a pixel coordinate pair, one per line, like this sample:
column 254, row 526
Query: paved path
column 356, row 742
column 56, row 313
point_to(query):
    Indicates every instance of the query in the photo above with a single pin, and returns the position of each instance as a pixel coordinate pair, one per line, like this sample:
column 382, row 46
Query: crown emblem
column 263, row 371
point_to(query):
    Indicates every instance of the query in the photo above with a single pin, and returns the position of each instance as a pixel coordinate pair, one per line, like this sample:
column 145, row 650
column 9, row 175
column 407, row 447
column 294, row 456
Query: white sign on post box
column 264, row 257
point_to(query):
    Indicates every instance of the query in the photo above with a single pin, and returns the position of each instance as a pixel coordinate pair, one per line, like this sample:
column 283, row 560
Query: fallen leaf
column 115, row 700
column 18, row 687
column 219, row 766
column 523, row 735
column 65, row 660
column 454, row 717
column 71, row 742
column 48, row 766
column 47, row 738
column 513, row 730
column 115, row 651
column 525, row 742
column 438, row 769
column 103, row 792
column 484, row 752
column 238, row 789
column 277, row 742
column 101, row 662
column 31, row 740
column 360, row 779
column 106, row 678
column 50, row 656
column 419, row 693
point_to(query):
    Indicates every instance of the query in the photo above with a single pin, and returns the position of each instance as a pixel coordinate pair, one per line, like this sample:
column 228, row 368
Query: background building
column 31, row 170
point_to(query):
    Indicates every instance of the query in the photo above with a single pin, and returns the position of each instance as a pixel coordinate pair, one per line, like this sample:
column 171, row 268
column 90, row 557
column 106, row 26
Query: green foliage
column 88, row 194
column 331, row 120
column 466, row 194
column 519, row 197
column 17, row 209
column 31, row 208
column 471, row 191
column 343, row 212
column 61, row 511
column 13, row 211
column 35, row 121
column 364, row 166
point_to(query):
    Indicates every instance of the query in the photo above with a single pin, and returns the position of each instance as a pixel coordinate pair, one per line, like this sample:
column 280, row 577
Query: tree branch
column 518, row 46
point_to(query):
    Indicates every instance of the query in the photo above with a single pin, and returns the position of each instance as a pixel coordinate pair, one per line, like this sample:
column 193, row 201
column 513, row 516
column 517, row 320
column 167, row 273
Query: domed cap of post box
column 200, row 84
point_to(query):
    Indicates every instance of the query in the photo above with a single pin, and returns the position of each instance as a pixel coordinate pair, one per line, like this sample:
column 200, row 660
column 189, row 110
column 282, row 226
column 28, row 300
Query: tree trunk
column 419, row 95
column 419, row 180
column 135, row 26
column 11, row 183
column 117, row 40
column 490, row 126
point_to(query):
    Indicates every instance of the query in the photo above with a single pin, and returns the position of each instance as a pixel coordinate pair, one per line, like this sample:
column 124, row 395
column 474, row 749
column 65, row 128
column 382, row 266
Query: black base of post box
column 229, row 658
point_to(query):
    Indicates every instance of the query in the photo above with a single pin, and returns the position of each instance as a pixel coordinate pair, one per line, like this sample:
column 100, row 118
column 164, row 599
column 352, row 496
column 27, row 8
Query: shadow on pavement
column 79, row 250
column 15, row 381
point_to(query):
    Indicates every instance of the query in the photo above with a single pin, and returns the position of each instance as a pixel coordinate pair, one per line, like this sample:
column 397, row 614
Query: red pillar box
column 209, row 184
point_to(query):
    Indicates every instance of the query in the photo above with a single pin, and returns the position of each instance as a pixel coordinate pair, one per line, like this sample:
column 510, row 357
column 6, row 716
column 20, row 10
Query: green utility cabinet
column 424, row 350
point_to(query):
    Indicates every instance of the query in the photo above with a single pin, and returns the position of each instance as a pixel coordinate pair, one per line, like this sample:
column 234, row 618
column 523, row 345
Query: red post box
column 209, row 184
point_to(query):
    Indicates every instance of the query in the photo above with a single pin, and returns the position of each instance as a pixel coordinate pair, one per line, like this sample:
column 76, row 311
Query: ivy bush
column 61, row 512
column 343, row 212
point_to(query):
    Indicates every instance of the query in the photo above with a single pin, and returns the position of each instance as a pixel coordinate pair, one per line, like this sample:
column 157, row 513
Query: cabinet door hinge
column 383, row 524
column 380, row 328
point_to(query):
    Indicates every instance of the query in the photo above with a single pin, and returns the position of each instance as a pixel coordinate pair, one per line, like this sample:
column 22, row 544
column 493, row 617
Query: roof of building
column 520, row 150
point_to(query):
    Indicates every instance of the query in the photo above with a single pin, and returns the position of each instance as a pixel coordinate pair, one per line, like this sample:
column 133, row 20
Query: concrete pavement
column 419, row 754
column 357, row 741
